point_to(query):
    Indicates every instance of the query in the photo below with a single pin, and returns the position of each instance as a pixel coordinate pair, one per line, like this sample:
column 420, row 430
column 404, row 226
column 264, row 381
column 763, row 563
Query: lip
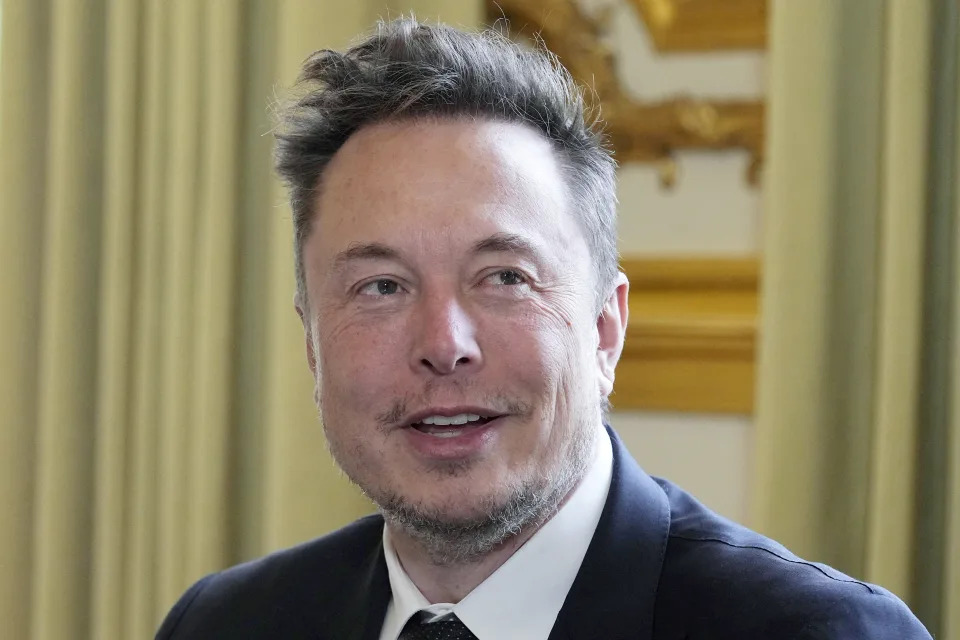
column 449, row 412
column 469, row 442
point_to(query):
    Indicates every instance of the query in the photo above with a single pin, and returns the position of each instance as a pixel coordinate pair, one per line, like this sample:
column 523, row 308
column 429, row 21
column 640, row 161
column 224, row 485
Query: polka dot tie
column 449, row 628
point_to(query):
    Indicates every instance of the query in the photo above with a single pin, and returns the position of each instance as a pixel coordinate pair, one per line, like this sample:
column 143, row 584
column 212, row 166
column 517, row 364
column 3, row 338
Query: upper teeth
column 462, row 418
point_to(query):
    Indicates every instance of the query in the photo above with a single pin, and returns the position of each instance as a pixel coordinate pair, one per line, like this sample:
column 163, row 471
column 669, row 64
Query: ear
column 300, row 305
column 611, row 330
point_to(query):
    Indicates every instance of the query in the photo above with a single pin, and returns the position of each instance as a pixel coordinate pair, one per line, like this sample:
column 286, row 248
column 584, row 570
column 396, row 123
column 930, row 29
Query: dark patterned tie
column 449, row 628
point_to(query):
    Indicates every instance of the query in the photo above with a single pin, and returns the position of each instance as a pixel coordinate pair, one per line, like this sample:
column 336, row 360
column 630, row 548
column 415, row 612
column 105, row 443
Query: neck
column 440, row 581
column 451, row 582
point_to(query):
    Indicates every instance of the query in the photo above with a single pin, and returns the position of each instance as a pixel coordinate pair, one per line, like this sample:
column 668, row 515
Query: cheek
column 543, row 345
column 356, row 360
column 566, row 343
column 564, row 332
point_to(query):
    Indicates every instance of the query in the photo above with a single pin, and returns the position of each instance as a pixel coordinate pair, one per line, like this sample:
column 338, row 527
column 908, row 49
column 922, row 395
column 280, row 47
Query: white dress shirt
column 522, row 598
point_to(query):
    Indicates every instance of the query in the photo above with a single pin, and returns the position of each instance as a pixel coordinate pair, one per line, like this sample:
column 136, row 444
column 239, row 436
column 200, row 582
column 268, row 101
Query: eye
column 381, row 287
column 507, row 277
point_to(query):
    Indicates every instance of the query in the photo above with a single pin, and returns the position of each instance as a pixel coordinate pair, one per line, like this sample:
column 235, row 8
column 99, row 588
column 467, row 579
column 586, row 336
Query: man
column 463, row 313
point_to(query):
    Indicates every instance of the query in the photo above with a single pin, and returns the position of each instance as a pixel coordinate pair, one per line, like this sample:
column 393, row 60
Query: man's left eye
column 507, row 277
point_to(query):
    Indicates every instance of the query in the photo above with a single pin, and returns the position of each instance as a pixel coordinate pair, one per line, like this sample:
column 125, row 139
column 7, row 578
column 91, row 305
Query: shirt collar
column 522, row 598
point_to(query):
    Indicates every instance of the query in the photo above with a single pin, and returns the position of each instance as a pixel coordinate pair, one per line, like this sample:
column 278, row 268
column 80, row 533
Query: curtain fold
column 215, row 290
column 891, row 497
column 115, row 336
column 67, row 357
column 853, row 445
column 22, row 191
column 157, row 413
column 177, row 286
column 138, row 605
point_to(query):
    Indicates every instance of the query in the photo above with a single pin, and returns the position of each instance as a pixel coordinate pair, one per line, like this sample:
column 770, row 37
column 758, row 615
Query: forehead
column 441, row 181
column 472, row 152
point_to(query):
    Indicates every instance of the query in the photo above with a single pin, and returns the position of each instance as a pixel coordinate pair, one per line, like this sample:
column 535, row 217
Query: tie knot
column 446, row 628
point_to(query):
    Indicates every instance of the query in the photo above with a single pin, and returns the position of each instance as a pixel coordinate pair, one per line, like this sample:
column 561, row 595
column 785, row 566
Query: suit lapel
column 365, row 596
column 615, row 590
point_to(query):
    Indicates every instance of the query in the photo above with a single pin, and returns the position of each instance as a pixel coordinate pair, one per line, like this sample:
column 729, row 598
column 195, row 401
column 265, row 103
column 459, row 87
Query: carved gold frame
column 642, row 131
column 691, row 339
column 705, row 25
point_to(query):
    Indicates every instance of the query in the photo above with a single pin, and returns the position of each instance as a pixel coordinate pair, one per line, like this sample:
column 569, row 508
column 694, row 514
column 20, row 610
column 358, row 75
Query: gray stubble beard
column 462, row 541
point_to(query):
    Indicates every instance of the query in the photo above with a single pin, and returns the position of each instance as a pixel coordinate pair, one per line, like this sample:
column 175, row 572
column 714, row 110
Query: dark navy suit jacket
column 660, row 566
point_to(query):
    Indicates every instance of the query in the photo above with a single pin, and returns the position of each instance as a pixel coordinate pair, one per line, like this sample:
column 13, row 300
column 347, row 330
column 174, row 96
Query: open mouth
column 451, row 426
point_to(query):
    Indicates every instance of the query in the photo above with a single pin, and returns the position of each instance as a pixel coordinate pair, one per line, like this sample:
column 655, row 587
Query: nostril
column 444, row 367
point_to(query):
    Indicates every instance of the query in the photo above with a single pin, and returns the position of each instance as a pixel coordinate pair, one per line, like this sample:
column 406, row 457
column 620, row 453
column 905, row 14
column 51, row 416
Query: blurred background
column 789, row 222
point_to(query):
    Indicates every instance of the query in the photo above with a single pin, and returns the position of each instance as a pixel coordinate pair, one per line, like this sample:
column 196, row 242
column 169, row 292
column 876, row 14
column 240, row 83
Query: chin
column 455, row 501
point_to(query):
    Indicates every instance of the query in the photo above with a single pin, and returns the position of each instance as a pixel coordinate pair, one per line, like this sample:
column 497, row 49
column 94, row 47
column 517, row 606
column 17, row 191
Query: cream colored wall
column 707, row 455
column 710, row 210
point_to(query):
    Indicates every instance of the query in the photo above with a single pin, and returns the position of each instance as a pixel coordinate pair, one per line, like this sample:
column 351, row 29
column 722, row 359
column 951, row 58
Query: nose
column 445, row 339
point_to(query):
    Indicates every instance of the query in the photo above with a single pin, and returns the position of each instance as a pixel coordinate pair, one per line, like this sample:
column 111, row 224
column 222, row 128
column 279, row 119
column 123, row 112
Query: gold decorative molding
column 691, row 339
column 639, row 131
column 704, row 25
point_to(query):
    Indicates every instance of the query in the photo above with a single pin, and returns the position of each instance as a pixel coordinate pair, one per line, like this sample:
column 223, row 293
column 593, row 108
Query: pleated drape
column 855, row 447
column 21, row 237
column 69, row 291
column 156, row 413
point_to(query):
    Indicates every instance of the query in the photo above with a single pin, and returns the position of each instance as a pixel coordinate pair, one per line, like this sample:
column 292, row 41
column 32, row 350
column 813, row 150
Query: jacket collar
column 363, row 598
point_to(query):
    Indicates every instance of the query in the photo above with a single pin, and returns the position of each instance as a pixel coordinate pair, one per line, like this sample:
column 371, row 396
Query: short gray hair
column 409, row 69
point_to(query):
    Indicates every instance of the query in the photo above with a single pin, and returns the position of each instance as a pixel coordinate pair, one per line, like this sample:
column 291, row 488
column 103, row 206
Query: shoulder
column 253, row 596
column 718, row 573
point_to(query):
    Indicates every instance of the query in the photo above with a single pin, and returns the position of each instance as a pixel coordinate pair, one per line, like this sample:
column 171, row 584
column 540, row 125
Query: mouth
column 453, row 426
column 452, row 433
column 451, row 423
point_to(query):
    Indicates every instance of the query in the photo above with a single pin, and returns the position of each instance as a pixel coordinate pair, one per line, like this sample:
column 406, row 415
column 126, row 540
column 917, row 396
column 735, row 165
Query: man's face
column 447, row 279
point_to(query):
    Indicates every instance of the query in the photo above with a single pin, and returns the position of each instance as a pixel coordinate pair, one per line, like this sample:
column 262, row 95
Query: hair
column 407, row 70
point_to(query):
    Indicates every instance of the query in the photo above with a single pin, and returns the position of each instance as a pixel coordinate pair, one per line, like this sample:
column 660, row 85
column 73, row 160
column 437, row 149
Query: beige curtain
column 858, row 409
column 156, row 417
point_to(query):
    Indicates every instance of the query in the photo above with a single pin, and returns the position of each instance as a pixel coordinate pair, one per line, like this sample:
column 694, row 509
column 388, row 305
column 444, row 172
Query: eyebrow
column 507, row 243
column 367, row 251
column 497, row 243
